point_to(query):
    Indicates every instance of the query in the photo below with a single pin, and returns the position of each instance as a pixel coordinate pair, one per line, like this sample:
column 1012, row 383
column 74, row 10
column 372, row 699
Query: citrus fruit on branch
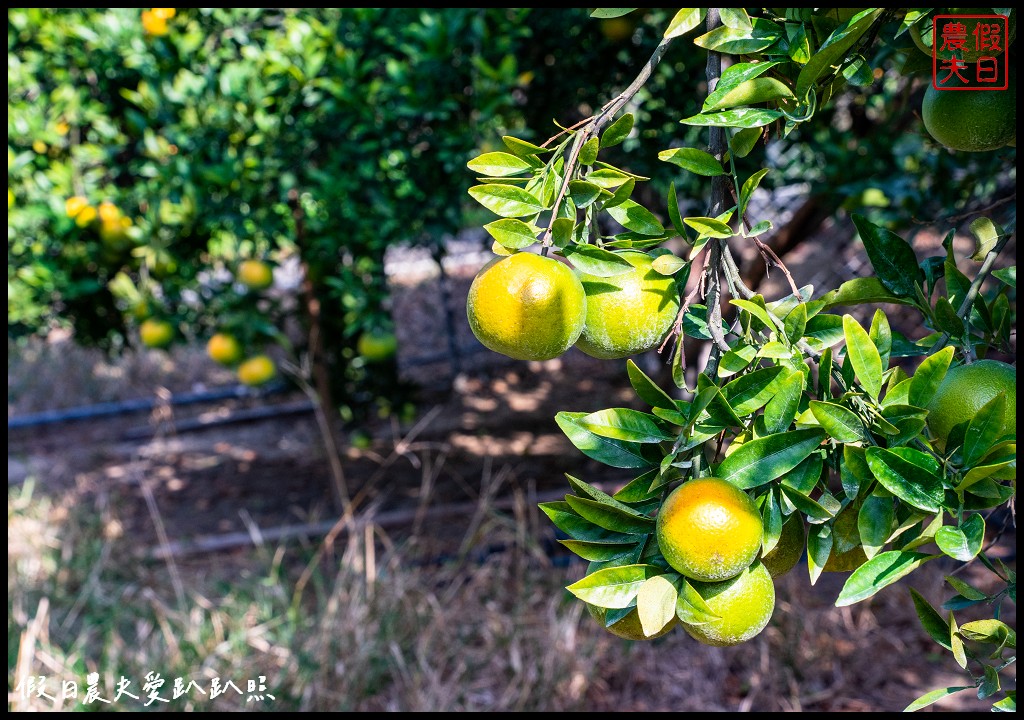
column 744, row 604
column 224, row 348
column 156, row 333
column 966, row 389
column 790, row 548
column 526, row 306
column 630, row 313
column 255, row 274
column 708, row 529
column 257, row 370
column 971, row 120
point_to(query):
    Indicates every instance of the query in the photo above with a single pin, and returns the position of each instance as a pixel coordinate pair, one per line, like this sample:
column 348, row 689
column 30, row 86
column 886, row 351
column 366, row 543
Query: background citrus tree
column 868, row 450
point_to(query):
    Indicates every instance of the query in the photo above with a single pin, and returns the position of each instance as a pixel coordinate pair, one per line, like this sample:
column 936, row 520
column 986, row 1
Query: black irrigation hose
column 122, row 407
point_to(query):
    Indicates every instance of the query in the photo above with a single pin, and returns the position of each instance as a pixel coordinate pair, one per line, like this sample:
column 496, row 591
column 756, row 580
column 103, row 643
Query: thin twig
column 592, row 129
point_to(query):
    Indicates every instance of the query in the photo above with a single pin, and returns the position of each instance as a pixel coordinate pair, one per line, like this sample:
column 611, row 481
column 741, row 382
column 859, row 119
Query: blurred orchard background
column 361, row 531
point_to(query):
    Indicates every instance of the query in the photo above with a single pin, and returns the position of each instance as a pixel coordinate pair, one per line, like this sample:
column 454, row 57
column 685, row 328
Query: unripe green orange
column 628, row 314
column 629, row 627
column 744, row 604
column 377, row 345
column 966, row 389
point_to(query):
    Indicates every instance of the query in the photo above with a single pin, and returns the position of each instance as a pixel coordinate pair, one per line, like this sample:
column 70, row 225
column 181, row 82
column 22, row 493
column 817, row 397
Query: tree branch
column 593, row 128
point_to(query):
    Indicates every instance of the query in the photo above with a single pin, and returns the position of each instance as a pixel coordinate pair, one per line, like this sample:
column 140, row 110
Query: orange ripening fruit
column 526, row 306
column 708, row 529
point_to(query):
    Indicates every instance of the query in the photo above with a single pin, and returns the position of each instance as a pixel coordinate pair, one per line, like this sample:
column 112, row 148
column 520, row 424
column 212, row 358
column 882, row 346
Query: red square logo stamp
column 969, row 52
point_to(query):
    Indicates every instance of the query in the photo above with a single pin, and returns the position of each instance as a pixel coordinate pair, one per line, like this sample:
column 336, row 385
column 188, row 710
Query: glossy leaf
column 749, row 392
column 685, row 20
column 985, row 428
column 506, row 200
column 879, row 572
column 781, row 409
column 741, row 41
column 611, row 452
column 863, row 355
column 760, row 461
column 523, row 148
column 891, row 256
column 607, row 13
column 749, row 187
column 929, row 375
column 874, row 522
column 511, row 233
column 911, row 482
column 962, row 543
column 986, row 234
column 637, row 218
column 733, row 77
column 861, row 291
column 625, row 424
column 656, row 604
column 614, row 587
column 933, row 696
column 931, row 621
column 617, row 131
column 834, row 49
column 709, row 227
column 595, row 261
column 842, row 424
column 694, row 160
column 668, row 264
column 646, row 389
column 610, row 517
column 598, row 551
column 588, row 153
column 738, row 118
column 498, row 164
column 577, row 527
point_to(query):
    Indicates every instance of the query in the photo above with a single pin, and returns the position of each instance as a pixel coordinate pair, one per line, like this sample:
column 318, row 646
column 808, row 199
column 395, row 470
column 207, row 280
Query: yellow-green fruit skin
column 629, row 627
column 971, row 120
column 628, row 314
column 691, row 526
column 744, row 605
column 526, row 306
column 377, row 346
column 966, row 389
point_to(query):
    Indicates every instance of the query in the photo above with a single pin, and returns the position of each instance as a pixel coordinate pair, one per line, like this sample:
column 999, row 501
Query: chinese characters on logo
column 152, row 690
column 969, row 52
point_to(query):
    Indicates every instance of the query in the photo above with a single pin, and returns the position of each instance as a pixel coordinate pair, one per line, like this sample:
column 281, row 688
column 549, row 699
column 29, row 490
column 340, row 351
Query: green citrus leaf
column 733, row 77
column 656, row 604
column 834, row 49
column 985, row 428
column 929, row 376
column 636, row 218
column 986, row 234
column 709, row 227
column 694, row 160
column 749, row 392
column 617, row 131
column 611, row 452
column 523, row 148
column 608, row 13
column 781, row 409
column 684, row 21
column 588, row 153
column 934, row 696
column 931, row 621
column 613, row 587
column 891, row 256
column 598, row 551
column 584, row 193
column 596, row 261
column 691, row 608
column 625, row 424
column 498, row 164
column 962, row 543
column 741, row 41
column 610, row 517
column 738, row 118
column 839, row 422
column 578, row 528
column 646, row 389
column 511, row 233
column 506, row 200
column 879, row 572
column 760, row 461
column 912, row 482
column 867, row 363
